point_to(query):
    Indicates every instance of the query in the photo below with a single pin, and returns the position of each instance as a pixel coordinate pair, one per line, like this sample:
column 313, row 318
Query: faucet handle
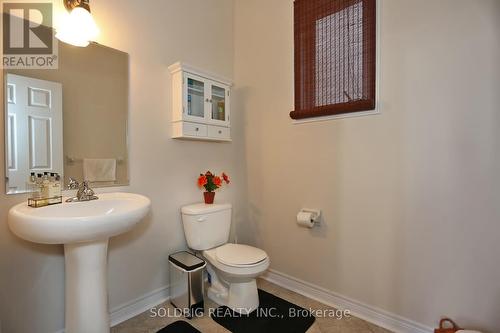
column 73, row 184
column 86, row 189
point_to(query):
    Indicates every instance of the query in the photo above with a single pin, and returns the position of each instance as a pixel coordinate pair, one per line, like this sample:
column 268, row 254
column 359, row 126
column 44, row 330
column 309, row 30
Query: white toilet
column 232, row 267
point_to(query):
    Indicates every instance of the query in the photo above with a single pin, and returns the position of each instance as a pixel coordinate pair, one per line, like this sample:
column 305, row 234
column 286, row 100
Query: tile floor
column 145, row 323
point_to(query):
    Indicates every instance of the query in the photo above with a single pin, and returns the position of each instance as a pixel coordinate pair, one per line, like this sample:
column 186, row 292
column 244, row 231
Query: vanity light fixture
column 78, row 28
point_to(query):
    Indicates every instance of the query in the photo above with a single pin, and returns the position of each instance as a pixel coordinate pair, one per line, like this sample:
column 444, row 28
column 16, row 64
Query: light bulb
column 78, row 28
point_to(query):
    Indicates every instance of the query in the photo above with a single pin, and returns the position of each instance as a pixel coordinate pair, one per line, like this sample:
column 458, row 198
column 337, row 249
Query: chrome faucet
column 85, row 193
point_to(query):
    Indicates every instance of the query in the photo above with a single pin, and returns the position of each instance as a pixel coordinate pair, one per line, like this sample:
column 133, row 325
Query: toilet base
column 241, row 297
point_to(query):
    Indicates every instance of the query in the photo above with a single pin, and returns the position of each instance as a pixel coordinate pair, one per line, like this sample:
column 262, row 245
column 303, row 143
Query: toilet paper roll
column 305, row 219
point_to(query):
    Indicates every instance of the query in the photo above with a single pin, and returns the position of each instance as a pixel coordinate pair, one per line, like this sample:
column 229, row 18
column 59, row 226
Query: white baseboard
column 366, row 312
column 137, row 306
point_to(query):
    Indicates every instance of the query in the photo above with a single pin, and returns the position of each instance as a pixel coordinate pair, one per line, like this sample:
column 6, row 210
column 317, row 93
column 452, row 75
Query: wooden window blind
column 334, row 57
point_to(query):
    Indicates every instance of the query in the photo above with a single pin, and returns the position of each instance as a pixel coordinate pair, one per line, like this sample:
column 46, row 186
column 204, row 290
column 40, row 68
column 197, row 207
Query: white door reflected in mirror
column 34, row 130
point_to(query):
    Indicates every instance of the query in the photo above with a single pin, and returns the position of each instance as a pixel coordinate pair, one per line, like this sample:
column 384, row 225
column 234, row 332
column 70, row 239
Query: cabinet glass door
column 195, row 98
column 218, row 100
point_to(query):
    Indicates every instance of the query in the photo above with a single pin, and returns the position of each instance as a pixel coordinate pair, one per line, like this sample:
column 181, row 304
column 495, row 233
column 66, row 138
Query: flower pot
column 209, row 197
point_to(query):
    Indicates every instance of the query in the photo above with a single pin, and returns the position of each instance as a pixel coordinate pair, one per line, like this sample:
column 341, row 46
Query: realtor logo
column 28, row 37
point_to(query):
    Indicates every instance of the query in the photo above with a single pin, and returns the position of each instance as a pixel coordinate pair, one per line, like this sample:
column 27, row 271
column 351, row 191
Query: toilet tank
column 206, row 226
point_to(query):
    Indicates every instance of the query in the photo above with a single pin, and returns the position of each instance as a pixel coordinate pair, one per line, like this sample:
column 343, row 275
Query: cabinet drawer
column 193, row 129
column 219, row 132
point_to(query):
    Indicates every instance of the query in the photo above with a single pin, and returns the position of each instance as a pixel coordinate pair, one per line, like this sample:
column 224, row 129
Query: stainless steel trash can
column 186, row 282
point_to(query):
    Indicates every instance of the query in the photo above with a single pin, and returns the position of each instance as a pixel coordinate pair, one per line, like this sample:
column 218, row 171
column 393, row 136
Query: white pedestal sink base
column 84, row 228
column 86, row 287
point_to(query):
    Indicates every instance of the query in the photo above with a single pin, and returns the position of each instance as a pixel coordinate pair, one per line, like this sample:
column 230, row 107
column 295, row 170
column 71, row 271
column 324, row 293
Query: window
column 334, row 57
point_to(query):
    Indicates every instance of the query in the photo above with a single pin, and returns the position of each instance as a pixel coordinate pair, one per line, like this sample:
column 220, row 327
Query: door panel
column 11, row 93
column 195, row 97
column 11, row 142
column 219, row 104
column 40, row 147
column 39, row 97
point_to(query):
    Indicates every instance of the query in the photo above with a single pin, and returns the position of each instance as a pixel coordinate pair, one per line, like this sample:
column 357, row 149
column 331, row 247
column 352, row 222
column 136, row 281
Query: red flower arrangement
column 210, row 183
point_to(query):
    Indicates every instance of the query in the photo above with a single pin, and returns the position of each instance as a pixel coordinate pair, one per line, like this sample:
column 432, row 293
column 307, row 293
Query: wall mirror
column 71, row 120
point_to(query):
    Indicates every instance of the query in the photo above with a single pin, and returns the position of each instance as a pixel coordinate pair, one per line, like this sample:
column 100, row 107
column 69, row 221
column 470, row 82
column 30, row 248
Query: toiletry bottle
column 52, row 180
column 37, row 194
column 54, row 189
column 57, row 186
column 45, row 188
column 30, row 184
column 50, row 190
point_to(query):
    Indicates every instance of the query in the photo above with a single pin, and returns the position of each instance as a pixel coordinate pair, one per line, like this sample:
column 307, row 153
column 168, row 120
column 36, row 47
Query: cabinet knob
column 197, row 129
column 220, row 132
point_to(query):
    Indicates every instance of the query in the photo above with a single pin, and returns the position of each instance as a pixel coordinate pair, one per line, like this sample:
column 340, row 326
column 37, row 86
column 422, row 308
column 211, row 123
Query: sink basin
column 75, row 222
column 84, row 228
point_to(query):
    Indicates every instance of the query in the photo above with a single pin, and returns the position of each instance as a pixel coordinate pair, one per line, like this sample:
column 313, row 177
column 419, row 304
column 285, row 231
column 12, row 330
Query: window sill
column 335, row 117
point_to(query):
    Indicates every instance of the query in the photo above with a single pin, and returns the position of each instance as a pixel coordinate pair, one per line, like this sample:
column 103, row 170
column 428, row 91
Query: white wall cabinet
column 201, row 104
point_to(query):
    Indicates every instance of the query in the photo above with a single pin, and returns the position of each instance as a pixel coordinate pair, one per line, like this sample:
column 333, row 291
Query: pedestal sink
column 84, row 228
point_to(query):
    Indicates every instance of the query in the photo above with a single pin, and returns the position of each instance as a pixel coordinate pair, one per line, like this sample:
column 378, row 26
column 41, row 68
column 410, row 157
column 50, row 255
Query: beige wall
column 198, row 32
column 95, row 82
column 411, row 196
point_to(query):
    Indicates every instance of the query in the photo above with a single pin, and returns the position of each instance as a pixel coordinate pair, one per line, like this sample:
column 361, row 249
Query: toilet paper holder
column 315, row 214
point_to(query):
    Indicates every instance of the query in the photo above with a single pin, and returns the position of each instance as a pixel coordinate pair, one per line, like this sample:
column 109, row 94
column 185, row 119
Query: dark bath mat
column 274, row 315
column 179, row 326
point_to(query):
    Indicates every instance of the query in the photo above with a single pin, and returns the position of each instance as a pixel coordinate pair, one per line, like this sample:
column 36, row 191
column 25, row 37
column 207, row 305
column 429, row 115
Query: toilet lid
column 239, row 255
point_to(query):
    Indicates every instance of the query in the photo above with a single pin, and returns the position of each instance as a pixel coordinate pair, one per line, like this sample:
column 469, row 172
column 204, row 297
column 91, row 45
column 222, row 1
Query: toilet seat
column 236, row 270
column 239, row 255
